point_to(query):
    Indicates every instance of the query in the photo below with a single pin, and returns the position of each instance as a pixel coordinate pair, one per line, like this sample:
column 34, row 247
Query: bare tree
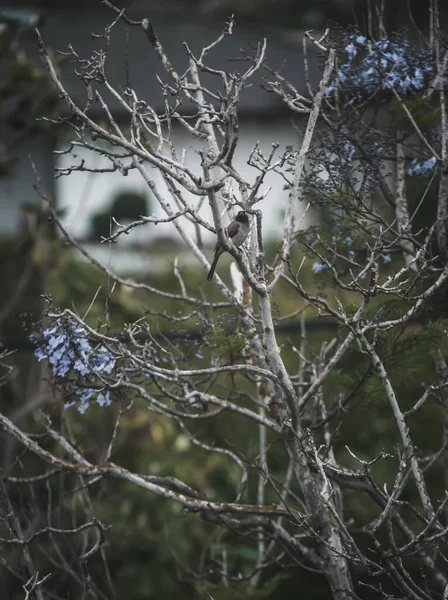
column 383, row 270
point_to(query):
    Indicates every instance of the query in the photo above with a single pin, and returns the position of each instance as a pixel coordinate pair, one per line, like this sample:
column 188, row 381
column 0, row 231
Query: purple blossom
column 318, row 267
column 71, row 353
column 81, row 367
column 103, row 399
column 54, row 342
column 381, row 65
column 424, row 168
column 349, row 150
column 103, row 361
column 417, row 80
column 83, row 407
column 351, row 50
column 40, row 353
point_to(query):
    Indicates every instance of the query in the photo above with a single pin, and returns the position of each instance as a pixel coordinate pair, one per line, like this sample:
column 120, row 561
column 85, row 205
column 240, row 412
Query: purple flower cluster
column 425, row 167
column 318, row 267
column 69, row 350
column 381, row 65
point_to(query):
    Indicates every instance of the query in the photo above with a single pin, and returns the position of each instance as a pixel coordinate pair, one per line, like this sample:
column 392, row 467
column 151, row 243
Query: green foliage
column 229, row 344
column 243, row 589
column 125, row 207
column 425, row 112
column 26, row 95
column 148, row 530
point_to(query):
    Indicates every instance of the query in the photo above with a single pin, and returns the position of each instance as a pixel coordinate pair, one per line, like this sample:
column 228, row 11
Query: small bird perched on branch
column 237, row 230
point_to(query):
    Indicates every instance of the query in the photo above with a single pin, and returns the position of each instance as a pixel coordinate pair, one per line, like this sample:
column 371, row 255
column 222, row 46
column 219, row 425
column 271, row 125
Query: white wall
column 84, row 194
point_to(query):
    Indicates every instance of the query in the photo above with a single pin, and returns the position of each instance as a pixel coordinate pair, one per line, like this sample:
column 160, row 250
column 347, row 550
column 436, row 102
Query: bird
column 237, row 230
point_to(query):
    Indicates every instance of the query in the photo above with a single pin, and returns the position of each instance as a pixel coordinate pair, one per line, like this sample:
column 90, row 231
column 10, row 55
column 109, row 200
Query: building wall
column 83, row 194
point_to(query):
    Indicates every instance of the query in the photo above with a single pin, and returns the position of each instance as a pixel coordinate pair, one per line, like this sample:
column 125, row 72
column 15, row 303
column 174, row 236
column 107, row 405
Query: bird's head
column 242, row 217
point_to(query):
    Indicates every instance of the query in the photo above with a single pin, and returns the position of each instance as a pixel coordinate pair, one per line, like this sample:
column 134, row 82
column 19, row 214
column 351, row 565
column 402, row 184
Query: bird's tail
column 213, row 267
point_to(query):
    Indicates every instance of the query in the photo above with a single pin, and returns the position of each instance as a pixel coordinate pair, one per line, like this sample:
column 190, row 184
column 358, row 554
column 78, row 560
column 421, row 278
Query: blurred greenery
column 153, row 547
column 125, row 207
column 26, row 95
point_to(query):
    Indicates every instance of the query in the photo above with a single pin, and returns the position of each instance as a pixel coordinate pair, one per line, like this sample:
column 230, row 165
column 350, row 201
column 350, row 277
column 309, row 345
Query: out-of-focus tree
column 26, row 93
column 125, row 208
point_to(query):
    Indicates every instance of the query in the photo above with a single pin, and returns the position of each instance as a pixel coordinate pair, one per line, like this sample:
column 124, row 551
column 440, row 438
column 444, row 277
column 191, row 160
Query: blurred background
column 34, row 261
